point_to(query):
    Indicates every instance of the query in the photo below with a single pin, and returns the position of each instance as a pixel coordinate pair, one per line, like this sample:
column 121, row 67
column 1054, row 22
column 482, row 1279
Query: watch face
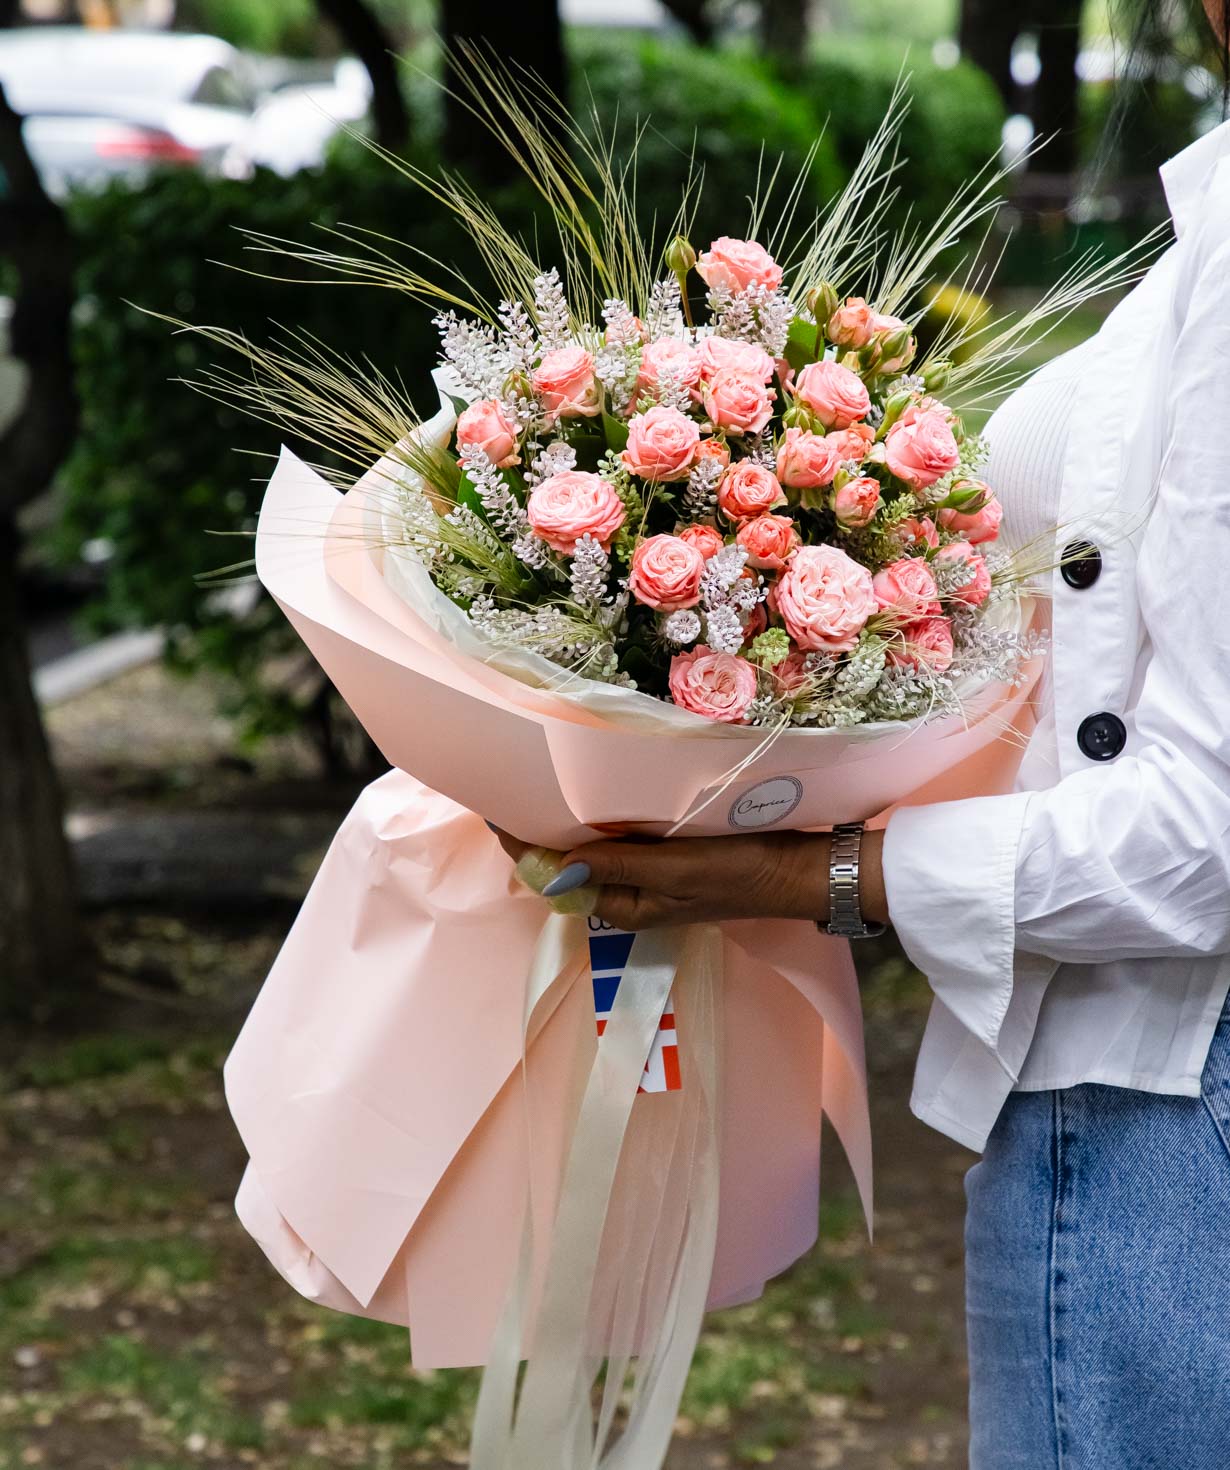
column 767, row 803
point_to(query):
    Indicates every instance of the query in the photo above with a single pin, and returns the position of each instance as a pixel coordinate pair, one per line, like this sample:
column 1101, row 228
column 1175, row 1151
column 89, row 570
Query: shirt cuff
column 950, row 877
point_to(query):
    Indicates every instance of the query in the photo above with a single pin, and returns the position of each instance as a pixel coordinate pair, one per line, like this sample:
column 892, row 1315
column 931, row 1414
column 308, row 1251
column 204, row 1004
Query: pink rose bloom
column 917, row 531
column 769, row 541
column 926, row 644
column 565, row 383
column 486, row 425
column 737, row 404
column 748, row 489
column 926, row 404
column 725, row 355
column 573, row 504
column 714, row 449
column 791, row 673
column 754, row 623
column 852, row 324
column 921, row 451
column 824, row 598
column 976, row 591
column 662, row 444
column 907, row 588
column 666, row 572
column 719, row 686
column 833, row 393
column 885, row 326
column 976, row 525
column 853, row 443
column 669, row 356
column 806, row 461
column 738, row 264
column 706, row 539
column 856, row 503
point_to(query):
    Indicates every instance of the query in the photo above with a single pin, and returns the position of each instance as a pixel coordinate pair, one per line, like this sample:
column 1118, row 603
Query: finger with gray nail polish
column 575, row 875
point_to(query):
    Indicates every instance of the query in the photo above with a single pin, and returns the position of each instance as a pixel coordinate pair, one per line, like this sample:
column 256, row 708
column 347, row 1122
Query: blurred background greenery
column 170, row 763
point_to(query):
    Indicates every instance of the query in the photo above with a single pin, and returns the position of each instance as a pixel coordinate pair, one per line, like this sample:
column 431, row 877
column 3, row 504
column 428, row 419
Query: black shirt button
column 1082, row 564
column 1101, row 737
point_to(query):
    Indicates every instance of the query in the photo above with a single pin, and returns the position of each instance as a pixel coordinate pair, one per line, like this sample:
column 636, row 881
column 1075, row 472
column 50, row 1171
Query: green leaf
column 616, row 432
column 459, row 404
column 467, row 495
column 800, row 343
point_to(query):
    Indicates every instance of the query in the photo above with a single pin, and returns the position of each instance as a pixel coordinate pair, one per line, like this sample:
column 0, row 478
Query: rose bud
column 856, row 502
column 680, row 256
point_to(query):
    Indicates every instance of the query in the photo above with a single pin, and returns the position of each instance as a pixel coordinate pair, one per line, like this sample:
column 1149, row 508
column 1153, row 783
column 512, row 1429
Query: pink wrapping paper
column 378, row 1082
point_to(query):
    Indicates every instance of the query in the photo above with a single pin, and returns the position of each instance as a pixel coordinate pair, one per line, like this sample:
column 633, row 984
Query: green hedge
column 726, row 110
column 954, row 125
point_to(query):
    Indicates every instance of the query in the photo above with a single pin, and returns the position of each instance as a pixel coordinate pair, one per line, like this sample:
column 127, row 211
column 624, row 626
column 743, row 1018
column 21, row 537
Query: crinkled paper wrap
column 410, row 1078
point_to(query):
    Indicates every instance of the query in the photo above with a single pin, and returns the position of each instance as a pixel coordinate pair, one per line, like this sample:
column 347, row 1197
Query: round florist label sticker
column 770, row 801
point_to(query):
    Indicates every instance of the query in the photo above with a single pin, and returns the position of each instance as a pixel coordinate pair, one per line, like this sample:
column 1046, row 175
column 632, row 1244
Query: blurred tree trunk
column 694, row 17
column 41, row 948
column 986, row 34
column 1056, row 95
column 526, row 37
column 784, row 32
column 362, row 31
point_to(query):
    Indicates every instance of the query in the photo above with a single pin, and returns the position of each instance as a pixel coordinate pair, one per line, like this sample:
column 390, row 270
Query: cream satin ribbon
column 664, row 1273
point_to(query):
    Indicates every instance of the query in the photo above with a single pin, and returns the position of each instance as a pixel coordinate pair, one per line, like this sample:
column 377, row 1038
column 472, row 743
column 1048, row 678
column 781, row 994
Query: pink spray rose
column 884, row 326
column 852, row 443
column 824, row 598
column 833, row 393
column 725, row 355
column 769, row 541
column 717, row 449
column 565, row 383
column 852, row 324
column 975, row 591
column 806, row 461
column 856, row 503
column 977, row 525
column 486, row 425
column 737, row 404
column 907, row 588
column 917, row 531
column 706, row 539
column 737, row 264
column 754, row 623
column 669, row 356
column 926, row 644
column 666, row 572
column 662, row 444
column 573, row 504
column 921, row 451
column 719, row 686
column 749, row 489
column 792, row 673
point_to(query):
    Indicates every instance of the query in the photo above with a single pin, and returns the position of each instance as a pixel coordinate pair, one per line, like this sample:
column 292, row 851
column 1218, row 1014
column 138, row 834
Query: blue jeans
column 1098, row 1280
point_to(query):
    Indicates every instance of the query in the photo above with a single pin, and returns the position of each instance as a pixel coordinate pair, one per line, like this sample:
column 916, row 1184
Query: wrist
column 873, row 897
column 807, row 887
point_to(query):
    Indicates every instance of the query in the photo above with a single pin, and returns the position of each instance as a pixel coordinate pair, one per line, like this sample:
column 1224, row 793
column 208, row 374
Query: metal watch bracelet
column 845, row 909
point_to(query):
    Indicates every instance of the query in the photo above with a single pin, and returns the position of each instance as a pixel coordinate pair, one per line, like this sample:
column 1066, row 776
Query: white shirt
column 1078, row 929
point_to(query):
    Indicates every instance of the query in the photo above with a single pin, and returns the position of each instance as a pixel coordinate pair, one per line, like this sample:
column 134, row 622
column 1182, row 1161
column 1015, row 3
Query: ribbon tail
column 662, row 1278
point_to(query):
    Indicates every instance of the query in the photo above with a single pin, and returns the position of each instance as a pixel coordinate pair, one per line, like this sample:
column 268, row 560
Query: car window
column 222, row 88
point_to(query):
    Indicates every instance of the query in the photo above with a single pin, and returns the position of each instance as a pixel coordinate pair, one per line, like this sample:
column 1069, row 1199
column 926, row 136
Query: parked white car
column 98, row 104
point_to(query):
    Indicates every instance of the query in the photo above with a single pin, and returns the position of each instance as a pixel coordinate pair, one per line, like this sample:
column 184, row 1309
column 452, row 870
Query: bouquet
column 697, row 549
column 766, row 519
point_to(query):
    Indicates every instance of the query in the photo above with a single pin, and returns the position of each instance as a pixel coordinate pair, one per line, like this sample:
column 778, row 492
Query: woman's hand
column 689, row 880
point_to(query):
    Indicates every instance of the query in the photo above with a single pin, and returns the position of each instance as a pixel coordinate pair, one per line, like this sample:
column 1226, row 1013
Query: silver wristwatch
column 845, row 911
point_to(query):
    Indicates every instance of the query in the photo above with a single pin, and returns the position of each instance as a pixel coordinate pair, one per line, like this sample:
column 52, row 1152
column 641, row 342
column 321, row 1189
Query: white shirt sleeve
column 1130, row 859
